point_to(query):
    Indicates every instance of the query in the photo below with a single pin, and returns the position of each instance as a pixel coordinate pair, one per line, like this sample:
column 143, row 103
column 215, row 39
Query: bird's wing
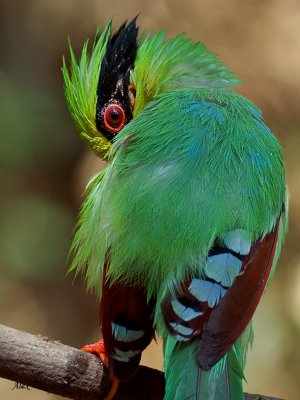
column 218, row 307
column 127, row 325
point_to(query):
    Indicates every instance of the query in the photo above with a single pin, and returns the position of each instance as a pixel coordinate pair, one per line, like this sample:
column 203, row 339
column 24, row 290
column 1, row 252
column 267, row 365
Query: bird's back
column 195, row 165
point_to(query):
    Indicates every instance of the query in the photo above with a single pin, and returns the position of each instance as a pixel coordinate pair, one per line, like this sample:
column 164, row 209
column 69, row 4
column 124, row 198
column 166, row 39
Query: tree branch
column 48, row 365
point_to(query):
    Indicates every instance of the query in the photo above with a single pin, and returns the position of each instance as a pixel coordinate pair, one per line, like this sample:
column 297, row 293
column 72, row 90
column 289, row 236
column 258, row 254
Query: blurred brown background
column 44, row 165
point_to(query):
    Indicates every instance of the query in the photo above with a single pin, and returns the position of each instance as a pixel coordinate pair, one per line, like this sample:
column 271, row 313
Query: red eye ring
column 114, row 117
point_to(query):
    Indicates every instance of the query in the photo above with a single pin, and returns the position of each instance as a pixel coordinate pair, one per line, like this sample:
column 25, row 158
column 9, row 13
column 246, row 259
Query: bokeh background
column 44, row 165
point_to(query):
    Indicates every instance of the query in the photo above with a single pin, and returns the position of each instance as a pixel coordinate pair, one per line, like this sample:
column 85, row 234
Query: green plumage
column 217, row 174
column 81, row 92
column 195, row 162
column 183, row 376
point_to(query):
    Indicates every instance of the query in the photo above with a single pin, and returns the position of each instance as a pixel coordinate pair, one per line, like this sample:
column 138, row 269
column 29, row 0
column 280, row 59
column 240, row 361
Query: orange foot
column 99, row 349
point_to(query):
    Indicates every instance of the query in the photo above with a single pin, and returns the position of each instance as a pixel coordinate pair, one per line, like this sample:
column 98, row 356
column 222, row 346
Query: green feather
column 186, row 381
column 85, row 246
column 80, row 85
column 175, row 63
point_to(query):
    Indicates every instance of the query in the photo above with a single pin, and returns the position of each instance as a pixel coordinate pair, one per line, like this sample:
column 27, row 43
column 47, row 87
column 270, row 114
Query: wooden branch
column 42, row 363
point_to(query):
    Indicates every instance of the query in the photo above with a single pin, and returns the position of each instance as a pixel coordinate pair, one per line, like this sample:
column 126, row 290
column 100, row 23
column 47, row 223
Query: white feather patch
column 122, row 334
column 207, row 291
column 181, row 338
column 238, row 240
column 125, row 356
column 181, row 329
column 183, row 312
column 223, row 268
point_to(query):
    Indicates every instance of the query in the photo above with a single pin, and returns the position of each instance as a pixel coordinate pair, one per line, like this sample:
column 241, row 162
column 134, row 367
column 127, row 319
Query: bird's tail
column 185, row 380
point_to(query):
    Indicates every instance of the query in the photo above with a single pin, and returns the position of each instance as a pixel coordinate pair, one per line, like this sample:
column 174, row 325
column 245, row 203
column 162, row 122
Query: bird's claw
column 98, row 348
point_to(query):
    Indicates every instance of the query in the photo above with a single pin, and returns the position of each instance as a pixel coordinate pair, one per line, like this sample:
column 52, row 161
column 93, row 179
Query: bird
column 181, row 231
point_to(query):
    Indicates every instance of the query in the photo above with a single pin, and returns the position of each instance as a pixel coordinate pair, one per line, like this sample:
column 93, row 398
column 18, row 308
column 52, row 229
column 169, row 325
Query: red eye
column 114, row 117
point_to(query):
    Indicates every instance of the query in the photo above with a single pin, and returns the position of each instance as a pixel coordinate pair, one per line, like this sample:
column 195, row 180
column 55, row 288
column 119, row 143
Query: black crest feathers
column 114, row 76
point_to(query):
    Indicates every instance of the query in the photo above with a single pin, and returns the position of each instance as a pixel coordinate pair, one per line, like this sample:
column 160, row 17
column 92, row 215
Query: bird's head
column 123, row 73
